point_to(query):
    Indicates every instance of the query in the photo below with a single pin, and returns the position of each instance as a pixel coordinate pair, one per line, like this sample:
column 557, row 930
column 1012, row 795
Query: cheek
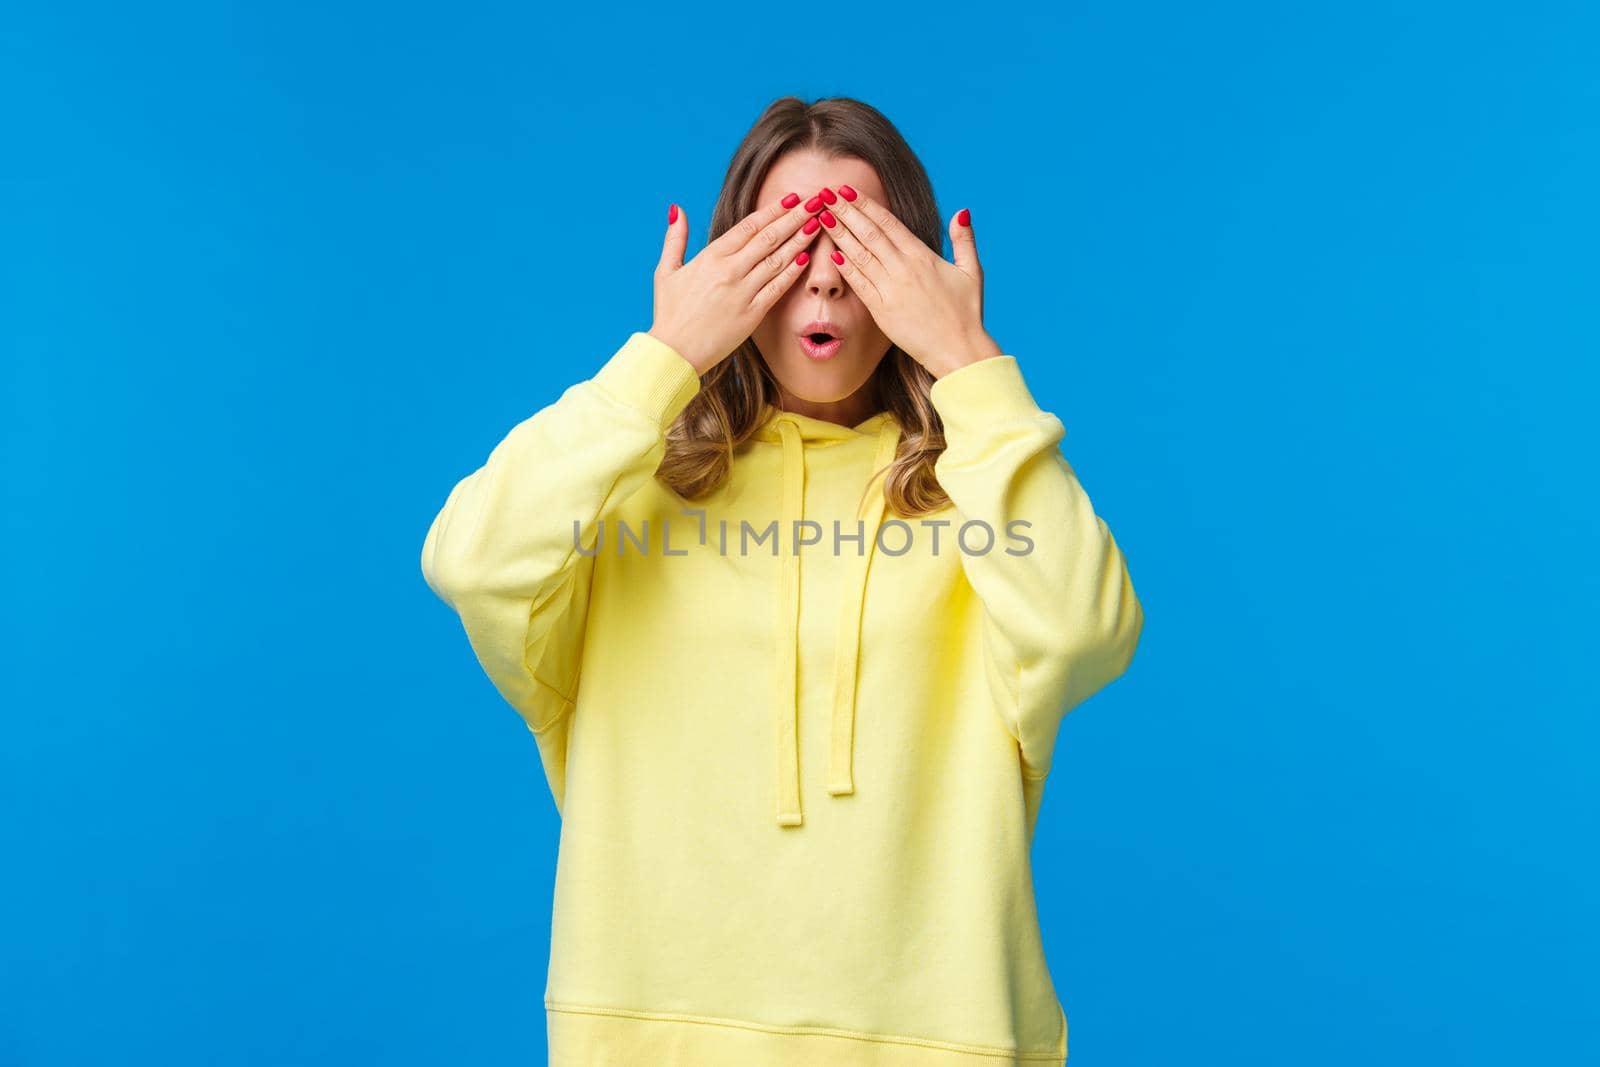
column 868, row 331
column 768, row 327
column 783, row 311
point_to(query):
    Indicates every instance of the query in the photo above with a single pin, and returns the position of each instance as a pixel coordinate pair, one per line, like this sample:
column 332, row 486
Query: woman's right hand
column 706, row 308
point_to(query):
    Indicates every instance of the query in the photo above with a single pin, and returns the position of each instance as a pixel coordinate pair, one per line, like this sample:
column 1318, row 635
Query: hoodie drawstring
column 794, row 476
column 847, row 642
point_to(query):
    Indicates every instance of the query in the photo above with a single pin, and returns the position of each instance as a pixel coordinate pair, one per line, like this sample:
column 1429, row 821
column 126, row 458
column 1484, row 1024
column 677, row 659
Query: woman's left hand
column 931, row 308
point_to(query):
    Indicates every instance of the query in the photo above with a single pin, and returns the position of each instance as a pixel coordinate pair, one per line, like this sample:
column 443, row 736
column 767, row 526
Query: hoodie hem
column 599, row 1037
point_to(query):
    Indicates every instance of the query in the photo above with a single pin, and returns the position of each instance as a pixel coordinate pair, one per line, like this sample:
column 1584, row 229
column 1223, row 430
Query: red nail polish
column 672, row 214
column 791, row 200
column 838, row 256
column 847, row 192
column 811, row 225
column 964, row 217
column 827, row 219
column 827, row 195
column 803, row 258
column 814, row 203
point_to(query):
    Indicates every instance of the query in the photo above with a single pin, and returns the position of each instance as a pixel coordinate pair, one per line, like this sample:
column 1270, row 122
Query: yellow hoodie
column 797, row 788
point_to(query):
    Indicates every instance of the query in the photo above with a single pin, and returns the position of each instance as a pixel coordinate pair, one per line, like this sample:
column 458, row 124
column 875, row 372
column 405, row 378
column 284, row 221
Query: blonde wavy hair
column 733, row 395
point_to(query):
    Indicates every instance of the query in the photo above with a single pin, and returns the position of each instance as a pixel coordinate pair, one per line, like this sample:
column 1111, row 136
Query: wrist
column 969, row 350
column 685, row 352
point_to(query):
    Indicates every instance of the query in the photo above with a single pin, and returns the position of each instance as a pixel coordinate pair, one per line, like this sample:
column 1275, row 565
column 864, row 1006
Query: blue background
column 1313, row 291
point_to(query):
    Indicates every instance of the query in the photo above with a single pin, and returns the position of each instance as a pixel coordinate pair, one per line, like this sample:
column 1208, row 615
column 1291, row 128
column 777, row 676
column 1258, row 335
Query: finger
column 677, row 239
column 861, row 265
column 782, row 257
column 963, row 245
column 865, row 215
column 859, row 281
column 779, row 283
column 783, row 218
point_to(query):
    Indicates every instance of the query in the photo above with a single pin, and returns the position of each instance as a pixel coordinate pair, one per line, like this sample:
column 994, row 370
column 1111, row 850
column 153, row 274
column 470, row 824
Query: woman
column 793, row 620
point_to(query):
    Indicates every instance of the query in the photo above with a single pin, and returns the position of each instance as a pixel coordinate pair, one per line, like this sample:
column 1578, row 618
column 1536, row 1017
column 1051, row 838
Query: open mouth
column 820, row 345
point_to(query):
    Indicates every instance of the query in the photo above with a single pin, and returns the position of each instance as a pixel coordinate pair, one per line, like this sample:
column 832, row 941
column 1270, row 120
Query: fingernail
column 964, row 217
column 827, row 195
column 803, row 258
column 791, row 200
column 811, row 225
column 838, row 256
column 814, row 203
column 827, row 218
column 672, row 214
column 847, row 192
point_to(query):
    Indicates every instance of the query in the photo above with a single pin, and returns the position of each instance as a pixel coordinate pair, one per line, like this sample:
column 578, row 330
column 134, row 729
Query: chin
column 825, row 384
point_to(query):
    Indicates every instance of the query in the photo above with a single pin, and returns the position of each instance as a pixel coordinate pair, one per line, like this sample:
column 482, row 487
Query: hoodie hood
column 795, row 434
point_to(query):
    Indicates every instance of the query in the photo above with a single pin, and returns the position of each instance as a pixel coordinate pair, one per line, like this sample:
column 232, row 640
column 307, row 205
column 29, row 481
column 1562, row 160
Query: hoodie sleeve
column 502, row 552
column 1061, row 618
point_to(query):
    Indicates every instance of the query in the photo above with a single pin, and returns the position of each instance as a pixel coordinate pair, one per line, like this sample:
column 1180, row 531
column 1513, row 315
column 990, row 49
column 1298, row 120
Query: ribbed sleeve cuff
column 982, row 393
column 649, row 375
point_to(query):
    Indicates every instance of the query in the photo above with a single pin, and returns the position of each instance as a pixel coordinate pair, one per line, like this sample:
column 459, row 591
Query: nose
column 822, row 277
